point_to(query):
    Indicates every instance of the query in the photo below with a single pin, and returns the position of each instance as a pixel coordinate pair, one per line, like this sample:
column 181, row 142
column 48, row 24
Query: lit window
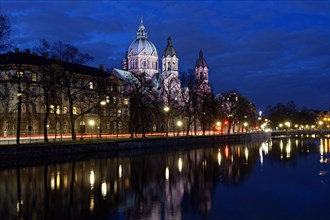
column 91, row 85
column 58, row 110
column 107, row 99
column 20, row 74
column 125, row 101
column 65, row 110
column 52, row 108
column 34, row 77
column 75, row 110
column 6, row 76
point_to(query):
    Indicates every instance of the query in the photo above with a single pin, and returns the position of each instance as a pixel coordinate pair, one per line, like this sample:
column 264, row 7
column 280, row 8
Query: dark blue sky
column 270, row 51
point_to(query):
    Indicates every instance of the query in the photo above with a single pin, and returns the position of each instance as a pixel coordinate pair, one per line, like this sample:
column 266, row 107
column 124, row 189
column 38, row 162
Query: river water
column 278, row 179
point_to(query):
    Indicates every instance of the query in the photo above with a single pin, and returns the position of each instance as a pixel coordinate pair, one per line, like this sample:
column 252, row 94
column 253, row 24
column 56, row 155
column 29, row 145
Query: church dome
column 142, row 42
column 201, row 62
column 169, row 50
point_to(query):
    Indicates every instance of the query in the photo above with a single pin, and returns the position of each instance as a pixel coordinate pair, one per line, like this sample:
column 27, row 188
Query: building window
column 107, row 99
column 34, row 77
column 125, row 101
column 91, row 86
column 65, row 110
column 58, row 110
column 20, row 74
column 6, row 75
column 34, row 93
column 75, row 110
column 34, row 108
column 52, row 108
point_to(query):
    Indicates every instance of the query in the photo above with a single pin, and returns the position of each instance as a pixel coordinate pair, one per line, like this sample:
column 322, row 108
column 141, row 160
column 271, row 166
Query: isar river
column 278, row 179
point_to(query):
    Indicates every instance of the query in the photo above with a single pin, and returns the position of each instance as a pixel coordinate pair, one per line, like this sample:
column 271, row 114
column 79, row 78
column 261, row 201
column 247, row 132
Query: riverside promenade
column 68, row 150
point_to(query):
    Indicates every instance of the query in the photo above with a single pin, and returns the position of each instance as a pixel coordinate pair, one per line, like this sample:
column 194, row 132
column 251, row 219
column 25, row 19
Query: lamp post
column 91, row 123
column 218, row 126
column 288, row 125
column 166, row 110
column 320, row 127
column 179, row 124
column 245, row 124
column 102, row 103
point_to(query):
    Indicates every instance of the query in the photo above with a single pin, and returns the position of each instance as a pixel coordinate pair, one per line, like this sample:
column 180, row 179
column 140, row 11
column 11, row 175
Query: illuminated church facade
column 142, row 58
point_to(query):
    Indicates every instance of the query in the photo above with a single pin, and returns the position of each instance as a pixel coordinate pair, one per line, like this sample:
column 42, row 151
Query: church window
column 169, row 66
column 144, row 64
column 201, row 76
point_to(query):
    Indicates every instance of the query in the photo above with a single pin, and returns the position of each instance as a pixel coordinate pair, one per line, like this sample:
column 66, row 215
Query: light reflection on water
column 195, row 184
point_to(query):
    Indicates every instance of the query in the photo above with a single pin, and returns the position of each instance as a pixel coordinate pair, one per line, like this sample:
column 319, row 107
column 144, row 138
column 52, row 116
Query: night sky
column 270, row 51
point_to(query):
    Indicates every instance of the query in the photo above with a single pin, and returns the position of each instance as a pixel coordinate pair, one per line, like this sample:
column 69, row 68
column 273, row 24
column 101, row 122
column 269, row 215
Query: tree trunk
column 46, row 123
column 19, row 113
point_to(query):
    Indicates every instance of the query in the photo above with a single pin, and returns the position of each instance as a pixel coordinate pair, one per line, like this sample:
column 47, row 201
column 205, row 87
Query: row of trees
column 193, row 104
column 280, row 113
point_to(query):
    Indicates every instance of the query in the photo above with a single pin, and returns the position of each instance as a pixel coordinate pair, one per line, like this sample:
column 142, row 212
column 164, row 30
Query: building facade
column 29, row 84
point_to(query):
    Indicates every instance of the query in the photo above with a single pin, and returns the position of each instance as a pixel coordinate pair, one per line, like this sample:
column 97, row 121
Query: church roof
column 169, row 49
column 126, row 76
column 201, row 62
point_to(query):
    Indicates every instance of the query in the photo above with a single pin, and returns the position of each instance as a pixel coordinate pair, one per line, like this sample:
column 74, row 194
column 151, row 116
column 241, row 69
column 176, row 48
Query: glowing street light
column 91, row 123
column 179, row 124
column 288, row 124
column 166, row 110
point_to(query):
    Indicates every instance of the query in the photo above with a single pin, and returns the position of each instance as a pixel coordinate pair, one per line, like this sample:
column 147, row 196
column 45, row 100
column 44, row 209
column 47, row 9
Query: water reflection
column 144, row 187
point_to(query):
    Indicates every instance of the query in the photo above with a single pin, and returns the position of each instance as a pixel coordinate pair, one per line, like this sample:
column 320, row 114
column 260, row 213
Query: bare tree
column 170, row 92
column 68, row 55
column 141, row 96
column 189, row 99
column 45, row 80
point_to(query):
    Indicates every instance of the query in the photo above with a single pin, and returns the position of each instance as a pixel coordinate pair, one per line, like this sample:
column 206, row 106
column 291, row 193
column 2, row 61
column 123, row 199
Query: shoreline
column 28, row 155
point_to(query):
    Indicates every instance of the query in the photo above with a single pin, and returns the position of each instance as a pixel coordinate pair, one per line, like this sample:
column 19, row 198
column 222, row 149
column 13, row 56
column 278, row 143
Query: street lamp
column 245, row 124
column 166, row 110
column 280, row 125
column 288, row 124
column 91, row 123
column 179, row 124
column 217, row 127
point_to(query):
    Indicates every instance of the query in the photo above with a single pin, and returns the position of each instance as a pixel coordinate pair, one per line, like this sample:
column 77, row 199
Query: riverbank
column 40, row 153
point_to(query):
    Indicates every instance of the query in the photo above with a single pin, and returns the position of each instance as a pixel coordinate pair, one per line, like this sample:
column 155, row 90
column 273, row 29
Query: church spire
column 141, row 33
